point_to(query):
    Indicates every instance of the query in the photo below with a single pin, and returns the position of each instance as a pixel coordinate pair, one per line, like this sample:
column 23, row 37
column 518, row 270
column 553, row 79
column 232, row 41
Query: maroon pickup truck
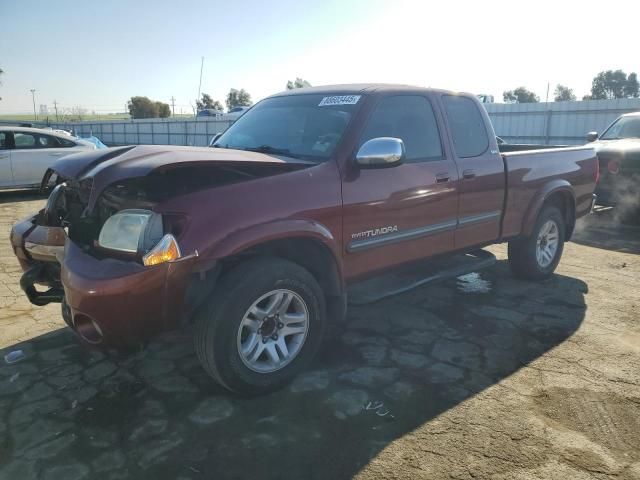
column 259, row 239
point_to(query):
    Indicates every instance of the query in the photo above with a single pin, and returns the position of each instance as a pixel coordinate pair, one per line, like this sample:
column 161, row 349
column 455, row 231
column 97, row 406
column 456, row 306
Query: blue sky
column 98, row 54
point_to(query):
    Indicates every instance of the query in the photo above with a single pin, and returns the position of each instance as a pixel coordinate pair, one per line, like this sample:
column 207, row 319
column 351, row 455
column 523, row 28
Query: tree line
column 606, row 85
column 144, row 107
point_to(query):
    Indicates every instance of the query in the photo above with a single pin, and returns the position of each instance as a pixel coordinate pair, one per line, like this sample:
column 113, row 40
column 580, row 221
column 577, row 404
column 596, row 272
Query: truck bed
column 527, row 171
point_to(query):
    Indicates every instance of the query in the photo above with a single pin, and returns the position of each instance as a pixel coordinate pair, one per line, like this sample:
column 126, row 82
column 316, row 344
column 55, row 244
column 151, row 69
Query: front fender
column 536, row 203
column 242, row 240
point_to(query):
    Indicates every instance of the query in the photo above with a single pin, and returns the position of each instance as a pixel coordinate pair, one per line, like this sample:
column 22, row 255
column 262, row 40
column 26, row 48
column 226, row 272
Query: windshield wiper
column 273, row 150
column 268, row 149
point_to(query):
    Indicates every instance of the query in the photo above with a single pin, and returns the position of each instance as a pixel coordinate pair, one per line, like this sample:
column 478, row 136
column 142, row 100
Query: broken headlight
column 131, row 231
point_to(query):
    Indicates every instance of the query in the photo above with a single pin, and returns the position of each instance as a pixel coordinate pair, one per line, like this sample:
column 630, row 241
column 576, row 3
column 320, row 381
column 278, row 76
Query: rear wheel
column 262, row 326
column 536, row 257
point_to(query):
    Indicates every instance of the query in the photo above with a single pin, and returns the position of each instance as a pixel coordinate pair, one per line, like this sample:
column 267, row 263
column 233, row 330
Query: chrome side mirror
column 592, row 136
column 381, row 152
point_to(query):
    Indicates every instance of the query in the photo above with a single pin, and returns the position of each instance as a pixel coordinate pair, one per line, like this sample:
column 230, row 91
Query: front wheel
column 536, row 257
column 262, row 327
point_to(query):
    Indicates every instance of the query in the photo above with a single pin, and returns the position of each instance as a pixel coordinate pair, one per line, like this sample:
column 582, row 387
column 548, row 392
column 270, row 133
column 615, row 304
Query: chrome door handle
column 469, row 174
column 443, row 177
column 4, row 156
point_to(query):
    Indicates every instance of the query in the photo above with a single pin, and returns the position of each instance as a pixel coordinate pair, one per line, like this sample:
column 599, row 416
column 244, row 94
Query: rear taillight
column 613, row 166
column 597, row 171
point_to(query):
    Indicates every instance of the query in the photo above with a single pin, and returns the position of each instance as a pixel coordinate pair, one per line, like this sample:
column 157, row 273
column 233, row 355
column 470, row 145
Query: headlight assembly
column 166, row 250
column 139, row 232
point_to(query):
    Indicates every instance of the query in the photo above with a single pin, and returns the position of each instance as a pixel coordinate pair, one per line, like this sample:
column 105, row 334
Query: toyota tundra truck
column 259, row 240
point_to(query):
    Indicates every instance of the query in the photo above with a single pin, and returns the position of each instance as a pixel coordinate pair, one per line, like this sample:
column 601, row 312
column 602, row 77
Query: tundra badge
column 375, row 232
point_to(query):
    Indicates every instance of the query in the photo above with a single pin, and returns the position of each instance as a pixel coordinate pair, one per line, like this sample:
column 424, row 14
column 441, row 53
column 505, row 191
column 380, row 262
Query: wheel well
column 308, row 253
column 564, row 202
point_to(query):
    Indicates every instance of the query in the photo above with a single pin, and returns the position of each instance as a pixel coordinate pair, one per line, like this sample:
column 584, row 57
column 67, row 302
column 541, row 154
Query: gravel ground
column 479, row 377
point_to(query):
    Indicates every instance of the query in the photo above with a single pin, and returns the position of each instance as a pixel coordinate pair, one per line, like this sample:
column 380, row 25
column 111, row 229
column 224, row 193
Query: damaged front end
column 38, row 249
column 100, row 248
column 110, row 296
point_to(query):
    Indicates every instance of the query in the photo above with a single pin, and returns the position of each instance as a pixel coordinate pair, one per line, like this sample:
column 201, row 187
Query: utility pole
column 547, row 100
column 55, row 106
column 173, row 106
column 200, row 84
column 33, row 98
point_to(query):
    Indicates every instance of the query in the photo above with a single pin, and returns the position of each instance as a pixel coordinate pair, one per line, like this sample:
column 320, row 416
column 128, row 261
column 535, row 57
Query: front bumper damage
column 106, row 301
column 39, row 248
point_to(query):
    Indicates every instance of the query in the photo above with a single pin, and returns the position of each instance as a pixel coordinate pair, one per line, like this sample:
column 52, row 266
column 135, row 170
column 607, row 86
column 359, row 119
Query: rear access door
column 481, row 171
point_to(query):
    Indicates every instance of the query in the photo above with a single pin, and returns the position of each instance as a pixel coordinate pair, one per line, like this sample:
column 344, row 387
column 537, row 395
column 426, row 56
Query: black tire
column 218, row 323
column 522, row 251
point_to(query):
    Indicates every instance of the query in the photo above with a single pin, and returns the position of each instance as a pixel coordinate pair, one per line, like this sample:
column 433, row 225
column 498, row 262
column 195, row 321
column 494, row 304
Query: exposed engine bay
column 67, row 204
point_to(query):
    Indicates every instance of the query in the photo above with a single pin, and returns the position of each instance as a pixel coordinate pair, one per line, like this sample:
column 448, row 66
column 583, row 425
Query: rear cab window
column 468, row 130
column 3, row 141
column 411, row 119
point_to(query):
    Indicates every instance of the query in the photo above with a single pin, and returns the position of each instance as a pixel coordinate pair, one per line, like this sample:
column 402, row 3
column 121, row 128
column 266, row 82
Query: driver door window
column 411, row 119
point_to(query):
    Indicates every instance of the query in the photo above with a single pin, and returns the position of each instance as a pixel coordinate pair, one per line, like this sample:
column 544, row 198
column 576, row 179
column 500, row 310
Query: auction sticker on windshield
column 339, row 100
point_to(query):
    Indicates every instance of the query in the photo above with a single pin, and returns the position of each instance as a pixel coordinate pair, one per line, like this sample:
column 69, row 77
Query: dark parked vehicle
column 618, row 151
column 209, row 112
column 306, row 197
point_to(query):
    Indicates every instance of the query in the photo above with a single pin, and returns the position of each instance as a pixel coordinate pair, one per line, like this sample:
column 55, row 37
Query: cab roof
column 360, row 88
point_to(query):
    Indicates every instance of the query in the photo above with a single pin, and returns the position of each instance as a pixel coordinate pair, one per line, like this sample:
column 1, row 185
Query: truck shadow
column 398, row 364
column 603, row 229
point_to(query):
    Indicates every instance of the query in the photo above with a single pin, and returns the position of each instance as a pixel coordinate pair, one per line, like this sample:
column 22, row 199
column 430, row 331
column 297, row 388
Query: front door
column 481, row 172
column 402, row 213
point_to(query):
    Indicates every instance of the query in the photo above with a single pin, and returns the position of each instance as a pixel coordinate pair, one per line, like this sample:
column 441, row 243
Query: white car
column 26, row 153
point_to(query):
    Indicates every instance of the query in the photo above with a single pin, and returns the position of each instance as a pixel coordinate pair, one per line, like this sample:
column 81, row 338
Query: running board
column 417, row 274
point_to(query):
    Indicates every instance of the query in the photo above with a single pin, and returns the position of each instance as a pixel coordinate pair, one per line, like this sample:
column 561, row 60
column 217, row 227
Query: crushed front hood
column 102, row 168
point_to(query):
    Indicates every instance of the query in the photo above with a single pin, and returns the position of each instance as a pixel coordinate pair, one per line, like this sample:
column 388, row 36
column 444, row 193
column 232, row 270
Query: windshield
column 624, row 127
column 301, row 126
